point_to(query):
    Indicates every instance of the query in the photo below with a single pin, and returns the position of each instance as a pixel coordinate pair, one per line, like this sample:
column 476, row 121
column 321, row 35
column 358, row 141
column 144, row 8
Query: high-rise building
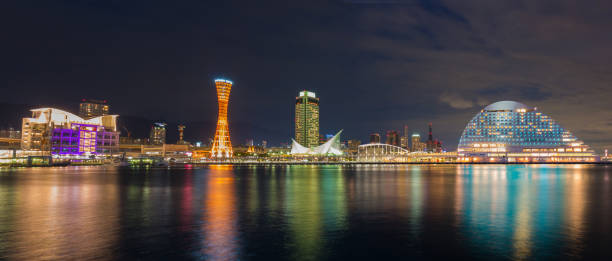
column 405, row 139
column 417, row 144
column 65, row 134
column 222, row 145
column 307, row 119
column 392, row 138
column 158, row 134
column 509, row 131
column 430, row 141
column 374, row 138
column 264, row 144
column 93, row 108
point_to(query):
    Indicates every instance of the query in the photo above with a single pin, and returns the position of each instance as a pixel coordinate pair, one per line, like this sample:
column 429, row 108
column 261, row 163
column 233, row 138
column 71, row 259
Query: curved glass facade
column 513, row 132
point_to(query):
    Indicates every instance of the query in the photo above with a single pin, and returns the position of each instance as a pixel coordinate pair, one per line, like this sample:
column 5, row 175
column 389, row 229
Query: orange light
column 222, row 146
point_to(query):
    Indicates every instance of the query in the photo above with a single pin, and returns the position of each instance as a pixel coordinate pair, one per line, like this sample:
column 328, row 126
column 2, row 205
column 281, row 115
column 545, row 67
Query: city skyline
column 407, row 62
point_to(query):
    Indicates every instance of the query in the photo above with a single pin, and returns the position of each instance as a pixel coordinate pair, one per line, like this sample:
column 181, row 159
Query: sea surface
column 368, row 212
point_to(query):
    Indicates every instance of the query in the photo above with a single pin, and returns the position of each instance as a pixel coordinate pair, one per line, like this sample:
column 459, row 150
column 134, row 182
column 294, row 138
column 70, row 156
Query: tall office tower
column 264, row 144
column 404, row 140
column 392, row 138
column 430, row 141
column 374, row 138
column 307, row 119
column 93, row 108
column 222, row 146
column 158, row 134
column 181, row 129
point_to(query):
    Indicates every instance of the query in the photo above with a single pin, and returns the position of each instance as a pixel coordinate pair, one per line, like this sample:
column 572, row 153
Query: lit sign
column 307, row 93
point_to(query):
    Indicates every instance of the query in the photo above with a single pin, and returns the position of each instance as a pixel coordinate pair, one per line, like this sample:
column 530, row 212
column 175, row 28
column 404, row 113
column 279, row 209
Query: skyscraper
column 374, row 138
column 93, row 108
column 307, row 119
column 430, row 141
column 417, row 145
column 404, row 140
column 158, row 134
column 392, row 138
column 222, row 146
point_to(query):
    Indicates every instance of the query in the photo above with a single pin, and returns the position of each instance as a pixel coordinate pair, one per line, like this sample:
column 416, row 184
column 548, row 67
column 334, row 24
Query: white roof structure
column 506, row 106
column 61, row 117
column 331, row 147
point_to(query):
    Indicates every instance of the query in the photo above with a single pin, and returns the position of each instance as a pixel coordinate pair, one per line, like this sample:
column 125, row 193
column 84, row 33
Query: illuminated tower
column 222, row 146
column 307, row 119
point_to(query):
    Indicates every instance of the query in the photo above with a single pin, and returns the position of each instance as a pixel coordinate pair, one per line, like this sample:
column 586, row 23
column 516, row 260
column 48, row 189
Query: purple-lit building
column 64, row 134
column 83, row 139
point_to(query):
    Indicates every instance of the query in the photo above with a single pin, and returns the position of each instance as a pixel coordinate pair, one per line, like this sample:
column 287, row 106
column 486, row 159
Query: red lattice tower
column 222, row 146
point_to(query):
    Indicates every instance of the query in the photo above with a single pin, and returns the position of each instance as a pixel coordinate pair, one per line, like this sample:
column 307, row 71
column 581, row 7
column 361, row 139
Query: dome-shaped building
column 509, row 131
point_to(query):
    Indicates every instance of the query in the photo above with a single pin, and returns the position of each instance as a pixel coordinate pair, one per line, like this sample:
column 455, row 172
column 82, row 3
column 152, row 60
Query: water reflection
column 307, row 212
column 221, row 242
column 53, row 215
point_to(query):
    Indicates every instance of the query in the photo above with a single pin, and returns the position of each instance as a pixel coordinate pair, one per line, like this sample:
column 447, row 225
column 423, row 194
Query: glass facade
column 513, row 132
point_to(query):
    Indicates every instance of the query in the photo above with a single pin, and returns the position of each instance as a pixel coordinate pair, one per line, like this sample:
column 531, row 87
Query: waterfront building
column 93, row 108
column 65, row 134
column 157, row 135
column 222, row 145
column 509, row 131
column 376, row 152
column 329, row 148
column 307, row 119
column 392, row 138
column 374, row 138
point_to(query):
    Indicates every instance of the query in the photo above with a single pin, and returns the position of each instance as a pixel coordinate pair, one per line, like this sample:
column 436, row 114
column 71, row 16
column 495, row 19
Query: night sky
column 375, row 65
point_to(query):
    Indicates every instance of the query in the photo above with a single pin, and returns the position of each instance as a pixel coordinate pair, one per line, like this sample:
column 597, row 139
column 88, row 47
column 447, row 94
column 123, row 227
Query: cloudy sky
column 376, row 65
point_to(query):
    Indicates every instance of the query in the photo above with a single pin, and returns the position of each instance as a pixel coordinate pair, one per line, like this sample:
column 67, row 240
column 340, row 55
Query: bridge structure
column 378, row 152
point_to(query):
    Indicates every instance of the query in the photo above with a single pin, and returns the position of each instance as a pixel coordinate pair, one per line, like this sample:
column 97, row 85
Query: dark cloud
column 375, row 64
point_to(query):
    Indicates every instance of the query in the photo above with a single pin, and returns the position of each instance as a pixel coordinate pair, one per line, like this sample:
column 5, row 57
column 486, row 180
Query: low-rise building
column 62, row 133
